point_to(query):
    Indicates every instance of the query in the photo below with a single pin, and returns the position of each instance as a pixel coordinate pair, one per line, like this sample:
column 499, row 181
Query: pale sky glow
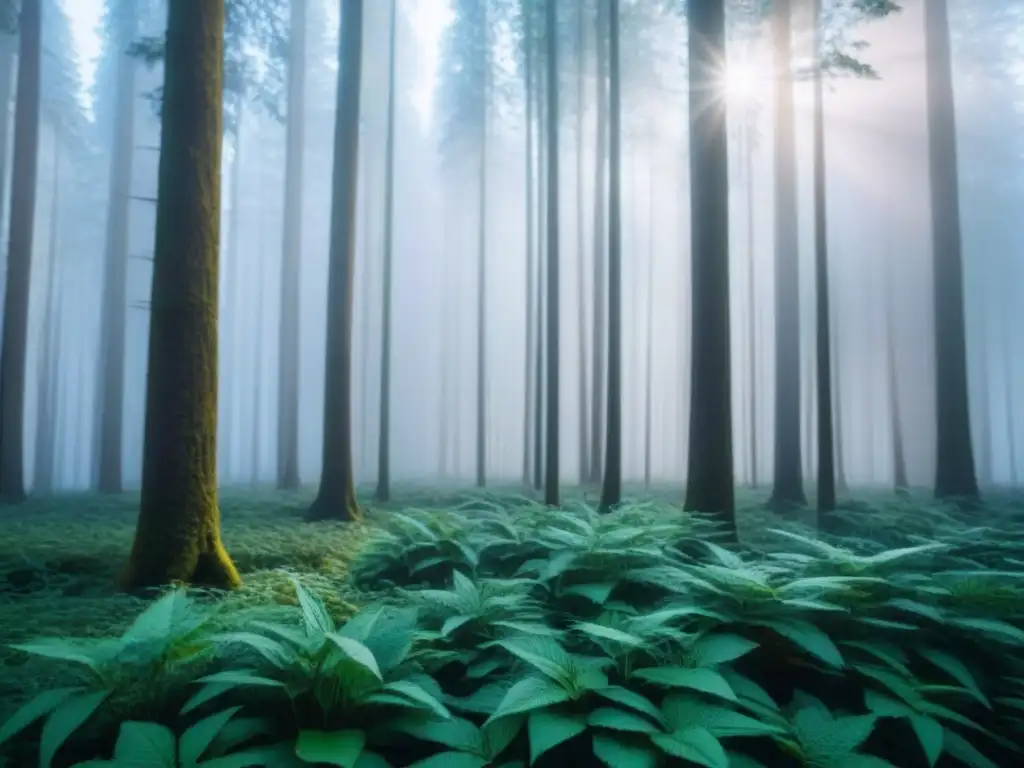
column 85, row 16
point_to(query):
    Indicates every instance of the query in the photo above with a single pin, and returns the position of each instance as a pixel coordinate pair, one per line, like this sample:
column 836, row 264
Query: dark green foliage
column 499, row 632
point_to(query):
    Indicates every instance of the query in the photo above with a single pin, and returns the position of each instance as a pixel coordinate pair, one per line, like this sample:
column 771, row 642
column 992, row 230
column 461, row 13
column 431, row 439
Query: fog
column 878, row 226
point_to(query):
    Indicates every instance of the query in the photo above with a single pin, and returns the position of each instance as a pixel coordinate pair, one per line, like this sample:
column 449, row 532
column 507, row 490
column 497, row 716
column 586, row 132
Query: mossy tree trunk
column 19, row 254
column 110, row 414
column 551, row 450
column 178, row 533
column 709, row 479
column 336, row 498
column 291, row 259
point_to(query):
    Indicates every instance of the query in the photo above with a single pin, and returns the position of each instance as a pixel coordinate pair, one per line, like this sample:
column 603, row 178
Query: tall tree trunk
column 837, row 416
column 600, row 333
column 256, row 416
column 178, row 534
column 611, row 488
column 531, row 316
column 43, row 466
column 19, row 254
column 649, row 362
column 368, row 190
column 581, row 310
column 899, row 461
column 551, row 450
column 954, row 466
column 1008, row 390
column 984, row 428
column 710, row 479
column 110, row 414
column 823, row 330
column 788, row 481
column 481, row 298
column 384, row 443
column 230, row 387
column 8, row 47
column 539, row 363
column 445, row 339
column 751, row 307
column 337, row 495
column 291, row 257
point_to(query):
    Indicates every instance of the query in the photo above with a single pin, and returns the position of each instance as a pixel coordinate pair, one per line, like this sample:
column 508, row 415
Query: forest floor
column 60, row 557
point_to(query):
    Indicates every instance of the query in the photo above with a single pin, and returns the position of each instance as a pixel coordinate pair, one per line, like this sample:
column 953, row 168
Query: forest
column 469, row 383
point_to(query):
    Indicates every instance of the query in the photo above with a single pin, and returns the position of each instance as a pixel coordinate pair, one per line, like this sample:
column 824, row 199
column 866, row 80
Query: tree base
column 210, row 567
column 327, row 507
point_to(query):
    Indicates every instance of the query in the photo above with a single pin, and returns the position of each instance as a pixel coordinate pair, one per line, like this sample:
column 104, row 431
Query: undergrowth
column 493, row 631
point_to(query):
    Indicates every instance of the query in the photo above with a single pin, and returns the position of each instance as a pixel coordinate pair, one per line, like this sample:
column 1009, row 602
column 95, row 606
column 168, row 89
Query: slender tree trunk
column 710, row 479
column 581, row 311
column 954, row 467
column 8, row 47
column 445, row 336
column 600, row 333
column 368, row 190
column 530, row 316
column 337, row 496
column 837, row 416
column 481, row 299
column 178, row 534
column 899, row 461
column 540, row 363
column 19, row 255
column 823, row 330
column 384, row 443
column 1008, row 390
column 43, row 466
column 551, row 451
column 291, row 258
column 984, row 428
column 611, row 489
column 256, row 417
column 751, row 307
column 649, row 362
column 110, row 414
column 788, row 481
column 230, row 466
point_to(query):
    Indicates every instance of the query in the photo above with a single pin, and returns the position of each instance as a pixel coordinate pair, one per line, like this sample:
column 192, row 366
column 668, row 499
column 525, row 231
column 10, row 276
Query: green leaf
column 197, row 739
column 956, row 669
column 542, row 653
column 631, row 699
column 964, row 751
column 417, row 694
column 341, row 748
column 809, row 638
column 599, row 632
column 453, row 623
column 528, row 695
column 698, row 745
column 548, row 728
column 65, row 720
column 703, row 680
column 684, row 710
column 32, row 710
column 455, row 733
column 89, row 653
column 929, row 732
column 357, row 652
column 991, row 628
column 280, row 755
column 372, row 760
column 620, row 720
column 145, row 745
column 720, row 648
column 596, row 593
column 497, row 735
column 277, row 654
column 237, row 678
column 616, row 752
column 314, row 614
column 451, row 760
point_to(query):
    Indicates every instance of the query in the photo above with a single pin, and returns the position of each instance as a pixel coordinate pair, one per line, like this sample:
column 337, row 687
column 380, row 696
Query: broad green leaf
column 720, row 648
column 616, row 752
column 826, row 738
column 596, row 593
column 631, row 699
column 65, row 720
column 314, row 614
column 240, row 677
column 917, row 608
column 698, row 745
column 341, row 748
column 145, row 745
column 498, row 734
column 599, row 632
column 32, row 710
column 683, row 710
column 90, row 653
column 454, row 733
column 205, row 694
column 451, row 760
column 542, row 653
column 197, row 739
column 704, row 680
column 280, row 755
column 453, row 623
column 548, row 728
column 277, row 654
column 991, row 628
column 417, row 694
column 930, row 733
column 620, row 720
column 956, row 669
column 357, row 652
column 809, row 638
column 964, row 751
column 530, row 694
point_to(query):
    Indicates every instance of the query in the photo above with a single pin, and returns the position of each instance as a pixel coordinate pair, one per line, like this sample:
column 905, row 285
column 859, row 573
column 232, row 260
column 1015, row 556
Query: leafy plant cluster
column 517, row 635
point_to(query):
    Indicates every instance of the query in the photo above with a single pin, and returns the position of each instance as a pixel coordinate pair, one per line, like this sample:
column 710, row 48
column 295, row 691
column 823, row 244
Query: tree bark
column 710, row 478
column 337, row 496
column 110, row 414
column 600, row 334
column 531, row 316
column 788, row 481
column 178, row 533
column 649, row 361
column 551, row 451
column 954, row 466
column 19, row 254
column 384, row 442
column 751, row 307
column 481, row 298
column 611, row 488
column 8, row 45
column 581, row 310
column 291, row 258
